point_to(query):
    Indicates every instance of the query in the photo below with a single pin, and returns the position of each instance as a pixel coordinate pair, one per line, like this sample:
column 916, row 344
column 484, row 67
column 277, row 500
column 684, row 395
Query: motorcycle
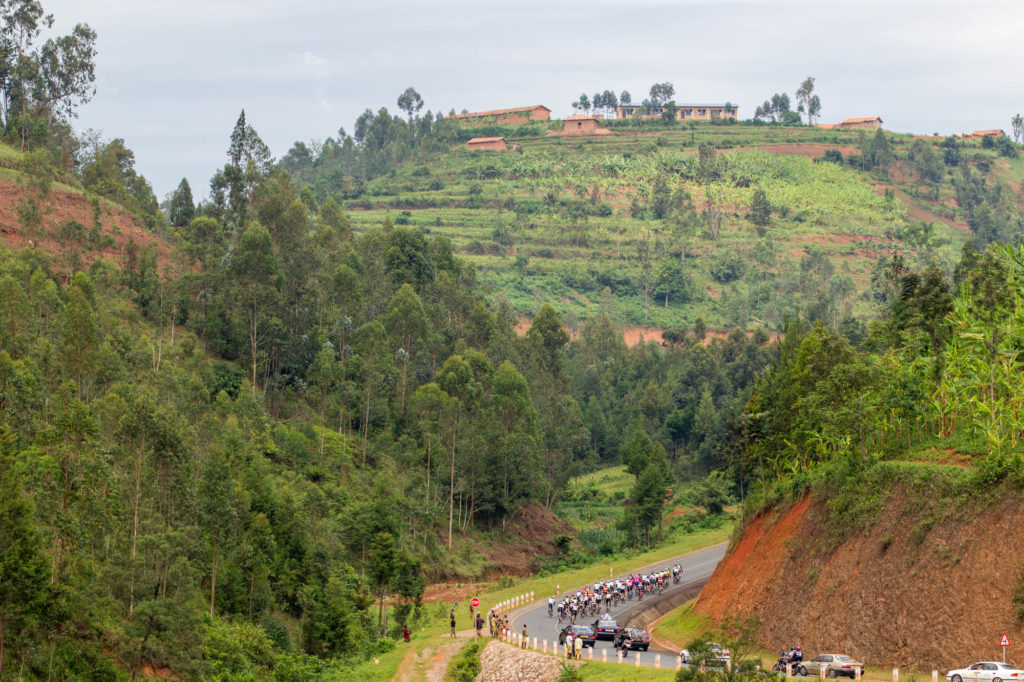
column 784, row 659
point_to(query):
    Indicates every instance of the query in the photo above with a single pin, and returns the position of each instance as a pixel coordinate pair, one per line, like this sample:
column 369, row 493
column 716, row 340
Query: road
column 697, row 568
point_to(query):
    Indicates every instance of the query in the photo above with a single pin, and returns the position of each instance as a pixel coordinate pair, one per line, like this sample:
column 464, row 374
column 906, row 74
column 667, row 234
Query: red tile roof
column 584, row 117
column 480, row 140
column 863, row 119
column 984, row 133
column 498, row 112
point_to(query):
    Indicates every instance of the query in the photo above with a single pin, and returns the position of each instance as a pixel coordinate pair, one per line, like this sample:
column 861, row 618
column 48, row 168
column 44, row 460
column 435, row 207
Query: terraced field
column 620, row 221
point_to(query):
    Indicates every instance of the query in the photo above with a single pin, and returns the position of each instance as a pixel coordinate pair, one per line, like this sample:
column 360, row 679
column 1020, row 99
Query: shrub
column 466, row 666
column 727, row 267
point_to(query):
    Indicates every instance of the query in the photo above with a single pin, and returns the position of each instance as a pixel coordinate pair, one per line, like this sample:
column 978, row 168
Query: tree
column 410, row 102
column 79, row 335
column 24, row 578
column 181, row 208
column 254, row 268
column 668, row 112
column 809, row 102
column 46, row 82
column 662, row 93
column 1017, row 125
column 407, row 323
column 584, row 102
column 218, row 515
column 708, row 170
column 625, row 98
column 760, row 208
column 671, row 280
column 249, row 160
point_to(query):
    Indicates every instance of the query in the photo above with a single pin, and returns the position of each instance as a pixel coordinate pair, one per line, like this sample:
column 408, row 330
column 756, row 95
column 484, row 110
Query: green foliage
column 1018, row 597
column 466, row 665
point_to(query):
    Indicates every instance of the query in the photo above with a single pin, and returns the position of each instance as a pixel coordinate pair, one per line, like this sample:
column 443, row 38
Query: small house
column 978, row 134
column 862, row 122
column 684, row 112
column 582, row 124
column 537, row 112
column 495, row 144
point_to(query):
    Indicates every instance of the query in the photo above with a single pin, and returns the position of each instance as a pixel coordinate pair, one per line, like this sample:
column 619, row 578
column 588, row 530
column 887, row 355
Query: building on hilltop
column 978, row 134
column 538, row 112
column 862, row 122
column 496, row 144
column 684, row 112
column 582, row 124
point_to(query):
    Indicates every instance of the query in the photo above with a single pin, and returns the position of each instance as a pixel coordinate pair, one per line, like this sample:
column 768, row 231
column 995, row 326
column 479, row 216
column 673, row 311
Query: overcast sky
column 172, row 75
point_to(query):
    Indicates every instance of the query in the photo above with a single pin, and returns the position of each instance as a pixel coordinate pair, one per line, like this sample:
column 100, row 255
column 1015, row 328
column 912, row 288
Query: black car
column 634, row 639
column 606, row 628
column 585, row 632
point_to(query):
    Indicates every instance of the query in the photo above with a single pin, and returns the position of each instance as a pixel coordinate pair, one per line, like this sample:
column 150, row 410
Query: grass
column 682, row 625
column 614, row 672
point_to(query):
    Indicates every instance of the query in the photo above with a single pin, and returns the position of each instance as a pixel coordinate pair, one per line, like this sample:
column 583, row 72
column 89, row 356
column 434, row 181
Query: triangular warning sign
column 1005, row 641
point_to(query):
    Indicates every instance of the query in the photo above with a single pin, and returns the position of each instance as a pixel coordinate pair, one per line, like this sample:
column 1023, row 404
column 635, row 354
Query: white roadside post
column 821, row 672
column 590, row 653
column 619, row 656
column 604, row 655
column 535, row 643
column 679, row 662
column 857, row 673
column 636, row 661
column 935, row 676
column 895, row 675
column 545, row 646
column 657, row 660
column 789, row 671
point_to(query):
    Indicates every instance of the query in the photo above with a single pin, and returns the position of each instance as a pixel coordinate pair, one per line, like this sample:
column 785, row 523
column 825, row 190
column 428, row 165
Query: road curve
column 697, row 568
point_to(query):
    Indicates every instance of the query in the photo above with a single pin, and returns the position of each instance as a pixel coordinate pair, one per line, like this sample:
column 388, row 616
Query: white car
column 719, row 655
column 986, row 671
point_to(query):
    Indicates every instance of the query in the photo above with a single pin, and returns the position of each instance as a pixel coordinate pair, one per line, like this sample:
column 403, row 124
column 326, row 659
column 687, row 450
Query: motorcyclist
column 796, row 655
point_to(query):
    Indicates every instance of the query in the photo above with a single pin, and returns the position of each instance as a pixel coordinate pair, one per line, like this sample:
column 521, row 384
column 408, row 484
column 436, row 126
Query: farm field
column 619, row 221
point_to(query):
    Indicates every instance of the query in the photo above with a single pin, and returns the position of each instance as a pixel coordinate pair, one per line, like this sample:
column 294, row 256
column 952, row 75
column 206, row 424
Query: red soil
column 743, row 576
column 63, row 206
column 635, row 336
column 907, row 591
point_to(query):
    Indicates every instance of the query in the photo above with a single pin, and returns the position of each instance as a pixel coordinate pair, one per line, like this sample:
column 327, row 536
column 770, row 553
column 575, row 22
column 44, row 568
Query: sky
column 173, row 75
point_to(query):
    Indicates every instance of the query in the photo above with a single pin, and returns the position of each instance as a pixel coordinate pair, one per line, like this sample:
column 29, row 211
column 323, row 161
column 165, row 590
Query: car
column 834, row 665
column 584, row 632
column 989, row 671
column 634, row 639
column 606, row 628
column 719, row 655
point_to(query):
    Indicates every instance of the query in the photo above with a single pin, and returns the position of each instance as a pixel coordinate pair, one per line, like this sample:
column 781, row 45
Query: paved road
column 697, row 568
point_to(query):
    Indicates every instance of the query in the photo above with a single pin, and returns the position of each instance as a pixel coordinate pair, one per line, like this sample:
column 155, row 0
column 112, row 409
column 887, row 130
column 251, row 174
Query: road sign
column 474, row 602
column 1005, row 641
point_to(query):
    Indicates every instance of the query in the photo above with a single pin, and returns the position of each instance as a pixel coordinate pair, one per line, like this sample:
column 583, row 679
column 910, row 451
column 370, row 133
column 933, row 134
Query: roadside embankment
column 910, row 566
column 500, row 662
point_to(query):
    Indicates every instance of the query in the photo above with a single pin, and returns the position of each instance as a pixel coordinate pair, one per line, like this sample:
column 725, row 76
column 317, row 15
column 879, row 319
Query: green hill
column 564, row 218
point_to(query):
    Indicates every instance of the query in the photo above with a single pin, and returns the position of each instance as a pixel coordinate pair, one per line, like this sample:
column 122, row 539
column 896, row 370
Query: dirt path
column 431, row 662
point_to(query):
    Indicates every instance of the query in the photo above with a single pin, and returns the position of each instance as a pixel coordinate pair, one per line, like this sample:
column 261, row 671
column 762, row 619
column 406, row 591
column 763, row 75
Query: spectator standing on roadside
column 523, row 643
column 405, row 633
column 578, row 648
column 453, row 622
column 568, row 644
column 479, row 624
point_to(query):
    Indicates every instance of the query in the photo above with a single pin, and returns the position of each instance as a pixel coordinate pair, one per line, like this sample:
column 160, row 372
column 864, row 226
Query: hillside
column 565, row 218
column 46, row 210
column 915, row 583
